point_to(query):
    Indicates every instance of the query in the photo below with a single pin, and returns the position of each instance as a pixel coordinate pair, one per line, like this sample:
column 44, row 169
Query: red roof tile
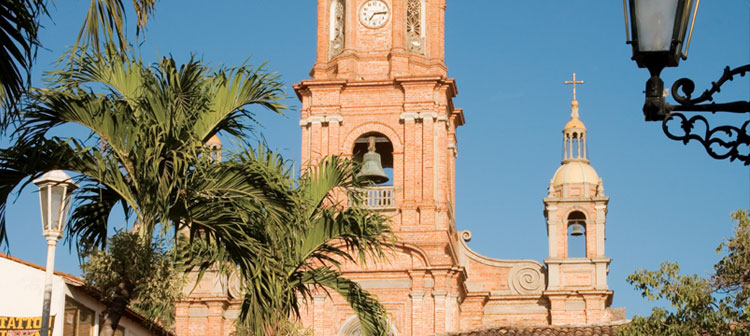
column 590, row 330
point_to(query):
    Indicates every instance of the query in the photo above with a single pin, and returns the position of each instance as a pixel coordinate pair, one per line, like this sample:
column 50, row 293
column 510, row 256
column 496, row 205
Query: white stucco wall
column 22, row 290
column 22, row 286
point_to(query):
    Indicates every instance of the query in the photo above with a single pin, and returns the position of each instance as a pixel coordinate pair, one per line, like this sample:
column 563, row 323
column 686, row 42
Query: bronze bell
column 577, row 230
column 372, row 169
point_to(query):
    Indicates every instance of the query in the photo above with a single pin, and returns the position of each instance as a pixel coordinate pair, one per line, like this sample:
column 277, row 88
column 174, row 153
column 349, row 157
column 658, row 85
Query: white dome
column 575, row 171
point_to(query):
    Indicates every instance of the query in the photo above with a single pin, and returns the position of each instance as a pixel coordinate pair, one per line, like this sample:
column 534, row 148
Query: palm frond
column 19, row 25
column 362, row 232
column 55, row 108
column 144, row 9
column 320, row 183
column 234, row 91
column 88, row 220
column 122, row 76
column 105, row 17
column 22, row 163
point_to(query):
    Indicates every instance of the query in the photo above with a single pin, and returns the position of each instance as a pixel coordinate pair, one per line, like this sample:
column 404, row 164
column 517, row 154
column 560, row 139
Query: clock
column 374, row 13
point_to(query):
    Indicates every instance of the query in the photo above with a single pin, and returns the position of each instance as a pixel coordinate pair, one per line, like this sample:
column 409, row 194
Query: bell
column 372, row 169
column 577, row 230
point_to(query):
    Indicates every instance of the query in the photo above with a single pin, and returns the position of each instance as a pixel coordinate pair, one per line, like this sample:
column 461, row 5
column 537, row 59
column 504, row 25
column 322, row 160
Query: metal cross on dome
column 574, row 82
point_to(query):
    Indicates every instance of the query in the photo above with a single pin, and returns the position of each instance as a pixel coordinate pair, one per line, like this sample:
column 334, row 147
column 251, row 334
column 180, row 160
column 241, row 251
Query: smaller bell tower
column 576, row 210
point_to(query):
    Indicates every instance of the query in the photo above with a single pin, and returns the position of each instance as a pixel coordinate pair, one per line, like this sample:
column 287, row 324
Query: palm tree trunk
column 116, row 309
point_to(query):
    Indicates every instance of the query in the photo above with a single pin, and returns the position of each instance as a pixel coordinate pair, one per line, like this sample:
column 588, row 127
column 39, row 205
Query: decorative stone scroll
column 526, row 279
column 465, row 235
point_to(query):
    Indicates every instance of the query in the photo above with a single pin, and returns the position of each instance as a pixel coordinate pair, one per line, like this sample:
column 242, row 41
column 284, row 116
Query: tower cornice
column 556, row 200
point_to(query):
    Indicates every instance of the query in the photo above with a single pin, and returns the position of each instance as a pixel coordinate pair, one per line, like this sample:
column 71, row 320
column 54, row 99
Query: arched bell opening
column 576, row 235
column 574, row 146
column 375, row 152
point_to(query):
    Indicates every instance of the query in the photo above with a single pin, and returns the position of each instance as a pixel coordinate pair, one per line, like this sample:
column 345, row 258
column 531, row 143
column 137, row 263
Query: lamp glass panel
column 68, row 200
column 654, row 21
column 44, row 204
column 56, row 199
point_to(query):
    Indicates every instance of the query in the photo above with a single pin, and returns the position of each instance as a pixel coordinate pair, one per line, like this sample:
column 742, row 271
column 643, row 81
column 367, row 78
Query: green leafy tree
column 717, row 305
column 136, row 273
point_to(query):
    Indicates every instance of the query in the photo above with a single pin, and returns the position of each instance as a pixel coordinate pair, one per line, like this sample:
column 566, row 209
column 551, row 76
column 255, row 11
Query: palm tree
column 319, row 232
column 284, row 237
column 151, row 123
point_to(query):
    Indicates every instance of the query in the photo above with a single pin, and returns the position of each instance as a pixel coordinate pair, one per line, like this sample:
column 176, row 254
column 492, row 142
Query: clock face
column 374, row 14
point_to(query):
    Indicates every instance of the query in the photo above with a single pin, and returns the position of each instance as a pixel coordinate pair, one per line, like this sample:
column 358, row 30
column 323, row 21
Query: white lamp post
column 55, row 195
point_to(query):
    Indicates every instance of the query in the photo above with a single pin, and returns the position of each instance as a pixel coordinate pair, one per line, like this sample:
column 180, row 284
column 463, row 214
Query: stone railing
column 376, row 197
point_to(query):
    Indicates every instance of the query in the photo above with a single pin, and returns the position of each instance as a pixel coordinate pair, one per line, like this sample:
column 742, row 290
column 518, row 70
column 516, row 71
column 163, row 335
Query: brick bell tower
column 576, row 210
column 380, row 77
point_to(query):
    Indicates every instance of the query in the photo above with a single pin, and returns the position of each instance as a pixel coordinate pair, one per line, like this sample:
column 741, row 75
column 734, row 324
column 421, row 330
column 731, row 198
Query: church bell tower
column 576, row 210
column 379, row 85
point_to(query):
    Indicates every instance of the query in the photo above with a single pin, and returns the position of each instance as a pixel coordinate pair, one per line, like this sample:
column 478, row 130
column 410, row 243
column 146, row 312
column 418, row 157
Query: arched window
column 351, row 327
column 576, row 235
column 415, row 26
column 337, row 28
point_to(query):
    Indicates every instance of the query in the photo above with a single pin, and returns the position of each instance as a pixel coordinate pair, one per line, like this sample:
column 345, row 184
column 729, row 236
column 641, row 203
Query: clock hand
column 376, row 13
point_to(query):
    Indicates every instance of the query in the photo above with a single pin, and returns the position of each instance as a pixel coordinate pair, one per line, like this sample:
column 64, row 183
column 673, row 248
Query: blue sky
column 668, row 201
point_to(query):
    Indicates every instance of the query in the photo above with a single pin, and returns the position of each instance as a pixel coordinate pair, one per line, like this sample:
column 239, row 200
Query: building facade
column 75, row 309
column 380, row 72
column 379, row 84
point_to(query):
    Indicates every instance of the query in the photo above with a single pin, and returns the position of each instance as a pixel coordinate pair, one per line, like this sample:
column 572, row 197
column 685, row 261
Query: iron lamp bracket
column 721, row 142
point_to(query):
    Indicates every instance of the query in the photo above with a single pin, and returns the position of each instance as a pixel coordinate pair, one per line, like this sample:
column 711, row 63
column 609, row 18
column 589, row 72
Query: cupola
column 575, row 177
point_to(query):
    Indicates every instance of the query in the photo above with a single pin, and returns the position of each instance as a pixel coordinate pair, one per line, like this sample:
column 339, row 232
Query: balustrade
column 376, row 197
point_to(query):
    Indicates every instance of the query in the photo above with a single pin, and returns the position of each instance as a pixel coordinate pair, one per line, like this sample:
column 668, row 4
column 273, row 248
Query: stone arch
column 573, row 209
column 415, row 250
column 351, row 327
column 372, row 127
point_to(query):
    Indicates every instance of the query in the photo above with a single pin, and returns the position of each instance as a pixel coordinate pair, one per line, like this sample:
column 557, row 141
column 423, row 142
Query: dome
column 214, row 141
column 576, row 171
column 575, row 123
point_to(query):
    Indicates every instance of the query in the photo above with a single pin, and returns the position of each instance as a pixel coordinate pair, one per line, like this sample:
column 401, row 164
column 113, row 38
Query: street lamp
column 55, row 195
column 658, row 32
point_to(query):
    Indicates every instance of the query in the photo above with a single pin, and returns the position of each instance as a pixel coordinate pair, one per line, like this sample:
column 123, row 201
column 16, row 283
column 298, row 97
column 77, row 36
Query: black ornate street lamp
column 658, row 32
